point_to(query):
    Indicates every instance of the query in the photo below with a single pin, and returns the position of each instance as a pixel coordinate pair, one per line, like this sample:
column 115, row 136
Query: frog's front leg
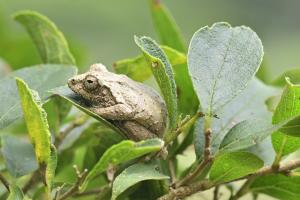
column 115, row 112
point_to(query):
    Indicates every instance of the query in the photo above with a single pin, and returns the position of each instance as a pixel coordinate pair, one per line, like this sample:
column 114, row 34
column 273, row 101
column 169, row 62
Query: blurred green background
column 102, row 30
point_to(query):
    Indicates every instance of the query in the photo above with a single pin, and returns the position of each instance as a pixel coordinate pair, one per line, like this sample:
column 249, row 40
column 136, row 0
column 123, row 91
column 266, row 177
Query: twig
column 216, row 192
column 74, row 189
column 206, row 160
column 184, row 125
column 243, row 189
column 78, row 121
column 31, row 182
column 92, row 191
column 185, row 191
column 172, row 170
column 4, row 182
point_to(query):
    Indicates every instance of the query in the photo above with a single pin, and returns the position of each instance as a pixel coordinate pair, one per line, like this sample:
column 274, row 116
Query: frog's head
column 89, row 85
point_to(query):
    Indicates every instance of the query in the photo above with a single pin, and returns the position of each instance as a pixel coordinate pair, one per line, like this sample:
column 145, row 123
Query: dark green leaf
column 36, row 122
column 163, row 74
column 134, row 174
column 41, row 78
column 232, row 165
column 50, row 42
column 166, row 27
column 222, row 60
column 122, row 152
column 18, row 155
column 278, row 186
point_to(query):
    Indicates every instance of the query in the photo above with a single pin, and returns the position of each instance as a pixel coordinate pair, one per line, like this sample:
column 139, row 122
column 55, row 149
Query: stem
column 185, row 191
column 206, row 160
column 31, row 182
column 78, row 121
column 74, row 189
column 172, row 170
column 216, row 192
column 243, row 190
column 184, row 125
column 4, row 182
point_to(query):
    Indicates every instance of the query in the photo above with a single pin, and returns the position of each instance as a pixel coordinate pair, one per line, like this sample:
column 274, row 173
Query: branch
column 78, row 121
column 4, row 182
column 216, row 192
column 74, row 189
column 206, row 160
column 185, row 191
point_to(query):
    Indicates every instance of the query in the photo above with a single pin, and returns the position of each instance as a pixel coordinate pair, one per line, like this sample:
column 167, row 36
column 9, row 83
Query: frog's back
column 152, row 112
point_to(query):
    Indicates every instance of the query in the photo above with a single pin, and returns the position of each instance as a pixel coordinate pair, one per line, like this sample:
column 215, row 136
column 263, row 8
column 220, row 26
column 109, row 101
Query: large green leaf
column 41, row 78
column 232, row 165
column 134, row 174
column 53, row 48
column 66, row 93
column 250, row 104
column 166, row 27
column 222, row 60
column 15, row 193
column 36, row 122
column 289, row 106
column 122, row 152
column 18, row 155
column 278, row 186
column 50, row 42
column 163, row 74
column 138, row 69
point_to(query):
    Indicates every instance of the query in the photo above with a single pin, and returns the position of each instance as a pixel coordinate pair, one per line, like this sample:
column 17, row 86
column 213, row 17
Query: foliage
column 214, row 103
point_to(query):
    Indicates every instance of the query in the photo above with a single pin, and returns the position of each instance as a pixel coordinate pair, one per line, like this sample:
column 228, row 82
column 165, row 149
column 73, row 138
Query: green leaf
column 222, row 60
column 138, row 69
column 247, row 134
column 51, row 167
column 18, row 155
column 122, row 152
column 134, row 174
column 285, row 144
column 293, row 74
column 36, row 122
column 166, row 27
column 278, row 186
column 50, row 42
column 15, row 193
column 163, row 74
column 41, row 78
column 233, row 165
column 66, row 93
column 288, row 107
column 250, row 104
column 52, row 47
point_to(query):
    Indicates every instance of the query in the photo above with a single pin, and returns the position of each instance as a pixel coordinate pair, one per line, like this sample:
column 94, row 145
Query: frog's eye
column 91, row 82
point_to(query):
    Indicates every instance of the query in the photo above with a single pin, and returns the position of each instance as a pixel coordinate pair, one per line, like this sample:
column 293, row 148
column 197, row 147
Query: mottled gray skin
column 133, row 107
